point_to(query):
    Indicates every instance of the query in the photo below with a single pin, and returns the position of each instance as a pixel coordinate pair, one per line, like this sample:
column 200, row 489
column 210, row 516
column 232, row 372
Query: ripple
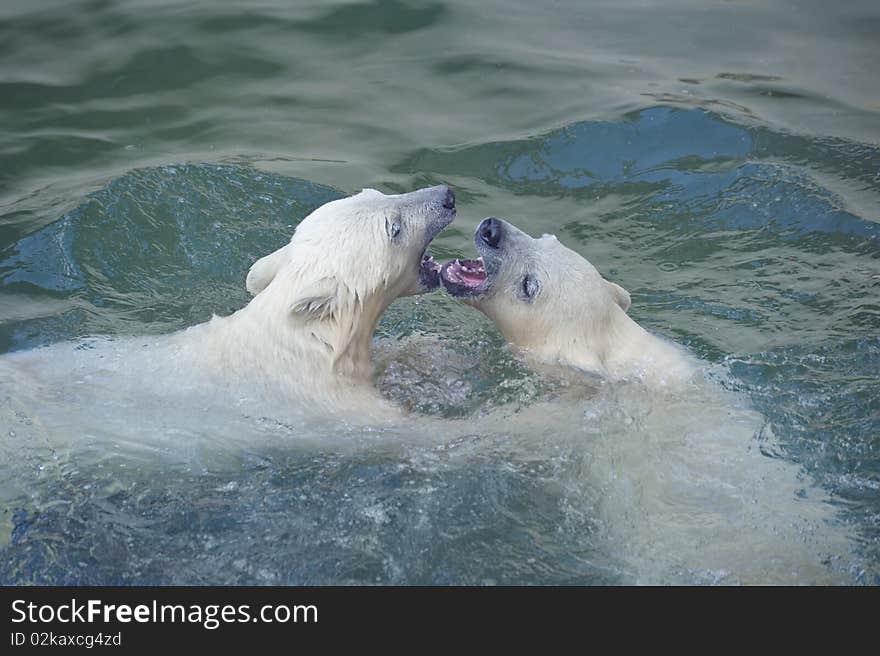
column 156, row 249
column 359, row 20
column 675, row 162
column 183, row 66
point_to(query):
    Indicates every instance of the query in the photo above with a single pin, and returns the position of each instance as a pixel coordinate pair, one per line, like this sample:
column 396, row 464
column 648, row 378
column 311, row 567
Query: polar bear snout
column 438, row 212
column 449, row 198
column 489, row 232
column 473, row 278
column 441, row 207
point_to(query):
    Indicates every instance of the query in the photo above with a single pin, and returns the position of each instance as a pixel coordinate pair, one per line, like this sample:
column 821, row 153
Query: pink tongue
column 470, row 272
column 474, row 277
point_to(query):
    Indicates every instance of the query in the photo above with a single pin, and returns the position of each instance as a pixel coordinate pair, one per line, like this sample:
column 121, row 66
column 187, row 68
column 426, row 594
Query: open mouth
column 464, row 277
column 429, row 272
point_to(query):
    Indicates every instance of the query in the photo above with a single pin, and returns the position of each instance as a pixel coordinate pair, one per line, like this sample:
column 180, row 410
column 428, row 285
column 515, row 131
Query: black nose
column 449, row 201
column 489, row 231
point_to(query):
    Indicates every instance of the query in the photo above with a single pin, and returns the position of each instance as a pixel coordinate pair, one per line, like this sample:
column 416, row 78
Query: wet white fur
column 306, row 334
column 577, row 318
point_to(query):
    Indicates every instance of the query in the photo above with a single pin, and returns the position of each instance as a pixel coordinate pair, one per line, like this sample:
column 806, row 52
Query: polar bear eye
column 392, row 227
column 529, row 288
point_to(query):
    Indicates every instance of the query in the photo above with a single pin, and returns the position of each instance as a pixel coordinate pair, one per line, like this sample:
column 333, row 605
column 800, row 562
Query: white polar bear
column 673, row 465
column 552, row 303
column 318, row 299
column 304, row 337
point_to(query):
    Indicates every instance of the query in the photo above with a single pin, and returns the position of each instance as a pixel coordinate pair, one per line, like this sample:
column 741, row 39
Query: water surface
column 719, row 160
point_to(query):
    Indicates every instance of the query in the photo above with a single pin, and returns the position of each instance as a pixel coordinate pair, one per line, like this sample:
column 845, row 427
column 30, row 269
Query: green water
column 720, row 160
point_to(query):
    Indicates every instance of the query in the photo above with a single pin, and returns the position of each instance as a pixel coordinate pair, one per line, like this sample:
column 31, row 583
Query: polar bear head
column 543, row 296
column 346, row 262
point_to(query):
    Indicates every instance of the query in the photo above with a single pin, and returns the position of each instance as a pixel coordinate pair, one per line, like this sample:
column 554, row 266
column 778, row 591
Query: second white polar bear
column 554, row 304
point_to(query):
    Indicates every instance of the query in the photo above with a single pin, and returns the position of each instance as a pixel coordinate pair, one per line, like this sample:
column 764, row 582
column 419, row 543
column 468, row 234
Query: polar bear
column 317, row 300
column 554, row 305
column 304, row 339
column 673, row 465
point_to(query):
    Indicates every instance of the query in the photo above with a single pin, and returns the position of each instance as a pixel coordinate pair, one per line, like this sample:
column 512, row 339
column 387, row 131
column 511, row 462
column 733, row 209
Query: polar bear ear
column 620, row 295
column 318, row 300
column 263, row 271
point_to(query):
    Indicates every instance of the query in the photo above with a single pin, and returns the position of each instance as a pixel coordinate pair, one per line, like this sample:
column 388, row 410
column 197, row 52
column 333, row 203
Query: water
column 719, row 160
